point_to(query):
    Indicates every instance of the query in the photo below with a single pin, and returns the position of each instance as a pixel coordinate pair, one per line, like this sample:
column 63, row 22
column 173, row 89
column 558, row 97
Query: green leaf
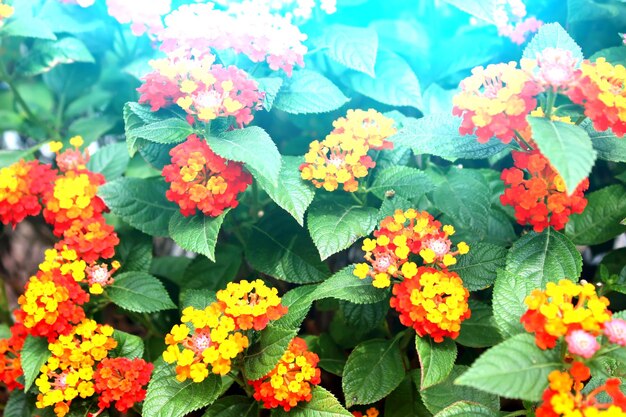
column 394, row 84
column 481, row 9
column 533, row 261
column 139, row 292
column 136, row 116
column 406, row 182
column 567, row 147
column 464, row 196
column 197, row 233
column 134, row 251
column 28, row 27
column 332, row 357
column 203, row 273
column 110, row 161
column 291, row 192
column 263, row 356
column 91, row 128
column 35, row 353
column 478, row 267
column 233, row 406
column 128, row 345
column 252, row 146
column 552, row 35
column 141, row 203
column 278, row 247
column 167, row 397
column 364, row 317
column 19, row 405
column 46, row 55
column 601, row 219
column 446, row 393
column 436, row 359
column 309, row 92
column 336, row 224
column 467, row 409
column 608, row 146
column 373, row 370
column 344, row 285
column 405, row 400
column 322, row 404
column 616, row 55
column 172, row 130
column 438, row 134
column 353, row 47
column 197, row 298
column 516, row 368
column 298, row 301
column 479, row 331
column 270, row 86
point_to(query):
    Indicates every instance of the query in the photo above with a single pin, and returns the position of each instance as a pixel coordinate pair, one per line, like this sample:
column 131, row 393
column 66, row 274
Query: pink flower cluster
column 251, row 31
column 553, row 67
column 584, row 344
column 203, row 89
column 81, row 3
column 143, row 15
column 510, row 19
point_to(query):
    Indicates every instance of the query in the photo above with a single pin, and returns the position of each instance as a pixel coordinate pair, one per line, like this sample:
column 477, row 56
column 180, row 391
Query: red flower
column 92, row 239
column 202, row 180
column 541, row 200
column 10, row 358
column 121, row 380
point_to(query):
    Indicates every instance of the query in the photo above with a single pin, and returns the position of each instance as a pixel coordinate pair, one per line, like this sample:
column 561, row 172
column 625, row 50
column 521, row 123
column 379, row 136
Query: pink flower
column 143, row 15
column 581, row 343
column 254, row 32
column 615, row 331
column 553, row 68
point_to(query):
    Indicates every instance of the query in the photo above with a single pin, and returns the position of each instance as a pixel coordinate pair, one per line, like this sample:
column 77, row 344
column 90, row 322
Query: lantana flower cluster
column 370, row 412
column 254, row 32
column 564, row 396
column 202, row 180
column 575, row 312
column 209, row 339
column 6, row 11
column 201, row 88
column 143, row 16
column 342, row 157
column 53, row 300
column 430, row 298
column 511, row 21
column 291, row 380
column 538, row 194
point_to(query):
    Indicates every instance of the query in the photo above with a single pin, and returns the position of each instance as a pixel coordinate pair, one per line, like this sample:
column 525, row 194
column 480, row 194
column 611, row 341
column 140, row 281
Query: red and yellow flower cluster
column 540, row 200
column 209, row 339
column 203, row 89
column 573, row 311
column 79, row 367
column 406, row 233
column 53, row 300
column 563, row 397
column 202, row 180
column 291, row 380
column 430, row 298
column 6, row 11
column 342, row 157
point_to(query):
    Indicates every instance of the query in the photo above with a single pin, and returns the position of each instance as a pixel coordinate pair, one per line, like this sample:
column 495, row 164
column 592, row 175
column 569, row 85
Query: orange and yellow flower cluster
column 202, row 180
column 406, row 233
column 601, row 90
column 433, row 302
column 429, row 298
column 6, row 11
column 562, row 309
column 291, row 380
column 342, row 157
column 564, row 397
column 69, row 371
column 541, row 200
column 208, row 340
column 10, row 357
column 201, row 88
column 370, row 412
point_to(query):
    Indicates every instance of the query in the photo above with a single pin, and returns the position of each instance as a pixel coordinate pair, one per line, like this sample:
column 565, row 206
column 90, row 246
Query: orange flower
column 121, row 380
column 291, row 379
column 91, row 238
column 10, row 358
column 433, row 302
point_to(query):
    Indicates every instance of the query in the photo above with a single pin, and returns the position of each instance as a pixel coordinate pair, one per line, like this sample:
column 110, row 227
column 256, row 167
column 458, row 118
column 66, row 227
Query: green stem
column 517, row 413
column 5, row 314
column 522, row 142
column 550, row 104
column 356, row 199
